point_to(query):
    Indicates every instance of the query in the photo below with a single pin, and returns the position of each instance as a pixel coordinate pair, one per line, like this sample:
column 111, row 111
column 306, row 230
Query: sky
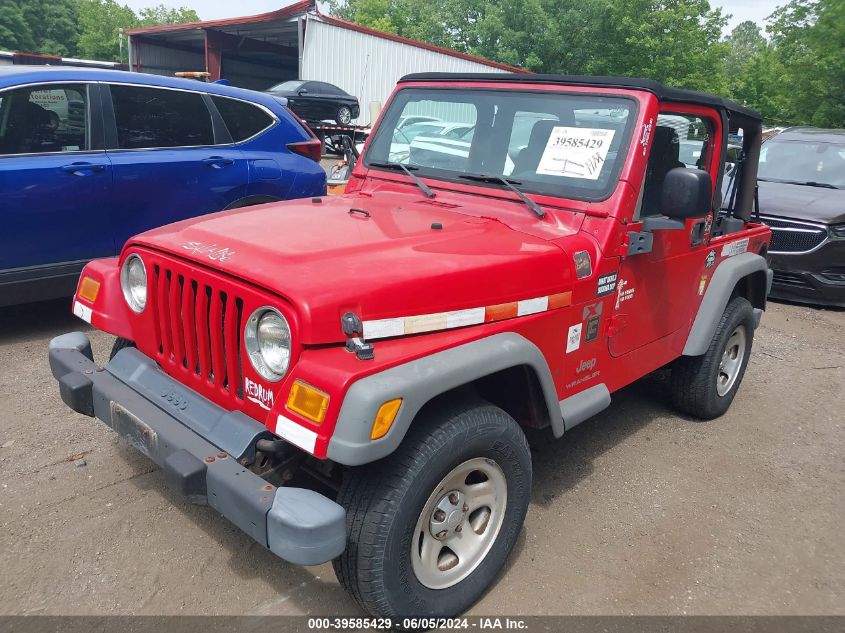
column 755, row 10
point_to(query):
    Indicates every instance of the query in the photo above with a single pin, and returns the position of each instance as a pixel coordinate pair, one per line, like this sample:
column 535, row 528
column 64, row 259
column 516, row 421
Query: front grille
column 197, row 331
column 794, row 237
column 789, row 279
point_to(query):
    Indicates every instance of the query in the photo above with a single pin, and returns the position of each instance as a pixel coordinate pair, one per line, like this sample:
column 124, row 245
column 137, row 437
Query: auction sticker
column 575, row 152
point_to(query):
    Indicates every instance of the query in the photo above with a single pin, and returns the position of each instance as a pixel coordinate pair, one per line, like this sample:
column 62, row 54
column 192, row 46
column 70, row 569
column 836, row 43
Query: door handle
column 83, row 169
column 217, row 161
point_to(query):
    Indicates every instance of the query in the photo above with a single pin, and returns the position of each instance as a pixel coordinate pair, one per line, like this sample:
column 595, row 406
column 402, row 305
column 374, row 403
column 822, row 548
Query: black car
column 318, row 101
column 802, row 198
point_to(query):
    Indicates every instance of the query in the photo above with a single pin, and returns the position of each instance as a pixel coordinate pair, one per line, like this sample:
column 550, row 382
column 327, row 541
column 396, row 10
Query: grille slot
column 197, row 329
column 795, row 237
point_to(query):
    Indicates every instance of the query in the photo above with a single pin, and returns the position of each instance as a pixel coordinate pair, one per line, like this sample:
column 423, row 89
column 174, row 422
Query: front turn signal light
column 384, row 418
column 89, row 289
column 308, row 401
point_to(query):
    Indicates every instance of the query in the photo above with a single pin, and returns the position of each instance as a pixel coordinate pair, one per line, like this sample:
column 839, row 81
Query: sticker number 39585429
column 575, row 152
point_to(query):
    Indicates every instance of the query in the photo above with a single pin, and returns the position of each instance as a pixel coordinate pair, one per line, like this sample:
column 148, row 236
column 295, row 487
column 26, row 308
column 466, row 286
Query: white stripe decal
column 400, row 326
column 532, row 306
column 384, row 328
column 460, row 318
column 296, row 434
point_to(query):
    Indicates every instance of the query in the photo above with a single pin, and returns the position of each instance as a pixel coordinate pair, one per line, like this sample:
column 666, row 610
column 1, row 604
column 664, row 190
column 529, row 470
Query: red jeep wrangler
column 554, row 240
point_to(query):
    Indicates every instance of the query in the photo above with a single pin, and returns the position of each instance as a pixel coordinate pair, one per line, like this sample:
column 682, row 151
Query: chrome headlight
column 133, row 281
column 267, row 340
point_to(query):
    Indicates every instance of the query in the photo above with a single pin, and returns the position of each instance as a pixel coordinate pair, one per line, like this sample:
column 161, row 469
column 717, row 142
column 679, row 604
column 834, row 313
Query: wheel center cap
column 454, row 519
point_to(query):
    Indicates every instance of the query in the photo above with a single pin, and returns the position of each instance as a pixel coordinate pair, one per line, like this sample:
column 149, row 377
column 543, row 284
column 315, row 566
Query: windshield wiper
column 389, row 165
column 808, row 183
column 535, row 208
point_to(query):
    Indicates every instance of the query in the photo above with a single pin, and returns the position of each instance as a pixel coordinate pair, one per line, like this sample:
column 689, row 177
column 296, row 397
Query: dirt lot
column 638, row 511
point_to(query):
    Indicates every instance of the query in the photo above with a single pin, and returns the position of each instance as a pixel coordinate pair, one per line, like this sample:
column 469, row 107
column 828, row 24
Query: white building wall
column 368, row 66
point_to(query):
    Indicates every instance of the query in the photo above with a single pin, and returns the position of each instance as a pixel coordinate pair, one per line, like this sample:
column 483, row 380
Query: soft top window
column 554, row 143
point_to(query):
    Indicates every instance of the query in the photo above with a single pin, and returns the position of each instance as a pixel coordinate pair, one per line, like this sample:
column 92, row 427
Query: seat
column 665, row 156
column 529, row 158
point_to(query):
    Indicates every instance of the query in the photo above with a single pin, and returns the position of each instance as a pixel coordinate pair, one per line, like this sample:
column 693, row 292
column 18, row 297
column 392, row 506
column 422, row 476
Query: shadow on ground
column 35, row 320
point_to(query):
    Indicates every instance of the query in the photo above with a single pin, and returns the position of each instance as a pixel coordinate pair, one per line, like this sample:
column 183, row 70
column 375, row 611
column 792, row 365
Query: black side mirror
column 302, row 91
column 686, row 193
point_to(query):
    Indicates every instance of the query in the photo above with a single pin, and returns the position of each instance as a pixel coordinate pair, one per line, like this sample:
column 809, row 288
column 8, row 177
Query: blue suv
column 89, row 158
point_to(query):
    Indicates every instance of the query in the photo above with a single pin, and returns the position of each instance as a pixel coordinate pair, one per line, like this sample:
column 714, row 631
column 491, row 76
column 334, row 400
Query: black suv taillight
column 312, row 149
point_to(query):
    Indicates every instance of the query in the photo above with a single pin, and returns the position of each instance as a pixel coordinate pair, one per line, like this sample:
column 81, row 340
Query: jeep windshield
column 551, row 143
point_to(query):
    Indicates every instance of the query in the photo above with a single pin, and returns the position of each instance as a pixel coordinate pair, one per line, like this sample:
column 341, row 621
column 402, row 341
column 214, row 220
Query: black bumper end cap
column 76, row 390
column 184, row 473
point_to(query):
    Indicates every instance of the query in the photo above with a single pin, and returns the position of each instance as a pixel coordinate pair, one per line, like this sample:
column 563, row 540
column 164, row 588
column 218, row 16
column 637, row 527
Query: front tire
column 431, row 526
column 705, row 386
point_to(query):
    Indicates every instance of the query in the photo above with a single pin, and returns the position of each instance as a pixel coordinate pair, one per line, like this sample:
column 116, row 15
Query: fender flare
column 716, row 298
column 418, row 381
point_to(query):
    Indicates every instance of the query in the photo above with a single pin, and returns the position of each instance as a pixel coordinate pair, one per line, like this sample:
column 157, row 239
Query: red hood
column 326, row 261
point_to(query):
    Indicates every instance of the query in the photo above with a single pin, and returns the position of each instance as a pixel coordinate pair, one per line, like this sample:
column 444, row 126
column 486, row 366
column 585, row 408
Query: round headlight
column 133, row 281
column 267, row 340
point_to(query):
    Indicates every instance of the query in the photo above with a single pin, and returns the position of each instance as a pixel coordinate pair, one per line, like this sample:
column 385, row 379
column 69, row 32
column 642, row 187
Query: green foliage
column 796, row 77
column 150, row 16
column 77, row 28
column 100, row 22
column 809, row 42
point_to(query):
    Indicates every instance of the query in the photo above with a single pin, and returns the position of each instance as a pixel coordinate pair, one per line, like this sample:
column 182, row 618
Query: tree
column 54, row 26
column 100, row 22
column 809, row 38
column 675, row 41
column 160, row 14
column 15, row 32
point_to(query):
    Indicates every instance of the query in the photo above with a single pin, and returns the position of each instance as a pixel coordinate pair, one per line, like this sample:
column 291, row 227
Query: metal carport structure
column 295, row 42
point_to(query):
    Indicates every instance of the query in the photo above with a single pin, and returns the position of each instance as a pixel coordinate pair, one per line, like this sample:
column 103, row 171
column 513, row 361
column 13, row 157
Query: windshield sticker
column 646, row 135
column 573, row 338
column 606, row 284
column 735, row 248
column 575, row 152
column 583, row 264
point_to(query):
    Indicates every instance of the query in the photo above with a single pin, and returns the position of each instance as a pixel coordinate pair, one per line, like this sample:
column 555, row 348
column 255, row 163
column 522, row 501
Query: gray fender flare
column 418, row 381
column 724, row 280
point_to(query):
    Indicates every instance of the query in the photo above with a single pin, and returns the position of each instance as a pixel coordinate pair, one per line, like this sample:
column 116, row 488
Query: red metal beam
column 298, row 7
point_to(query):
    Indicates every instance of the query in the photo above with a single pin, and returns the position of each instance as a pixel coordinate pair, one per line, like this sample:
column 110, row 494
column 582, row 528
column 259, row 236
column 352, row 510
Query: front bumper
column 810, row 277
column 200, row 447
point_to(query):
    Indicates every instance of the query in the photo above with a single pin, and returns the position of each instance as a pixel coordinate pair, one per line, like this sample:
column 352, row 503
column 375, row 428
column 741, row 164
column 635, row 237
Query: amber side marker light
column 384, row 418
column 89, row 289
column 308, row 401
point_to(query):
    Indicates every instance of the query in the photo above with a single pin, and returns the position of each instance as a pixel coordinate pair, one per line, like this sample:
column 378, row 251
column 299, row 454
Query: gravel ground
column 638, row 511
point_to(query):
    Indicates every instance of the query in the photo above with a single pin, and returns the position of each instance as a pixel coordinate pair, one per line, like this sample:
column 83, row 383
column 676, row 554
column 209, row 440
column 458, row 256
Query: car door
column 665, row 280
column 171, row 155
column 55, row 179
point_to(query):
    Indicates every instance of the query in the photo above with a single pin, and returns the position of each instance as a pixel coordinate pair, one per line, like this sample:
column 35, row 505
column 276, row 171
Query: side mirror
column 302, row 91
column 687, row 193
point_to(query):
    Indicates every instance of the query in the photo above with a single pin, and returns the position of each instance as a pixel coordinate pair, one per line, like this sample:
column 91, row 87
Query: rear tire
column 119, row 344
column 343, row 116
column 705, row 386
column 394, row 565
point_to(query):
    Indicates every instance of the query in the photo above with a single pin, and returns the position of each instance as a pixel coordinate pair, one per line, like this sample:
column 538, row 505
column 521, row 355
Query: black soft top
column 663, row 93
